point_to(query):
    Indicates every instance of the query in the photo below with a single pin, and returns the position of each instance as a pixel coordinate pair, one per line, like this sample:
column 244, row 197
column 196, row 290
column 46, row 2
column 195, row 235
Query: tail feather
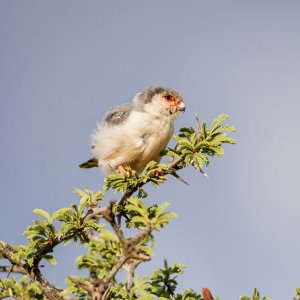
column 91, row 163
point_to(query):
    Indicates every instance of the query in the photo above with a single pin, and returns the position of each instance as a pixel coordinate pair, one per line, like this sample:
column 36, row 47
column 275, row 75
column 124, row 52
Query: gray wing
column 118, row 114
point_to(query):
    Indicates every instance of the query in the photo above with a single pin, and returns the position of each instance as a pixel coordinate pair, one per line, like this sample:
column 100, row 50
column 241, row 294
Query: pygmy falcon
column 137, row 132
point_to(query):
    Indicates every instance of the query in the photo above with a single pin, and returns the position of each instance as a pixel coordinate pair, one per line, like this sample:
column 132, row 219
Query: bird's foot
column 158, row 172
column 123, row 172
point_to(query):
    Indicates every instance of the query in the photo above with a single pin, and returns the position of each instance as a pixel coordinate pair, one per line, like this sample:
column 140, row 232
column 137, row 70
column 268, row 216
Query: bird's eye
column 168, row 97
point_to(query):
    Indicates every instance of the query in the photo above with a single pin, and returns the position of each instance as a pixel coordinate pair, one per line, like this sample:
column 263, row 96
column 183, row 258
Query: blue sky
column 64, row 63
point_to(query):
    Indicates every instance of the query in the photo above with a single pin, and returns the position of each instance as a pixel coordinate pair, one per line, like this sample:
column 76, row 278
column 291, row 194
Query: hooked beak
column 181, row 106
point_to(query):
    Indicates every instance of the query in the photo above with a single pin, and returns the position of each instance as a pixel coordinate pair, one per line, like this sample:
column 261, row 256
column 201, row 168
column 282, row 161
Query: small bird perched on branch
column 135, row 133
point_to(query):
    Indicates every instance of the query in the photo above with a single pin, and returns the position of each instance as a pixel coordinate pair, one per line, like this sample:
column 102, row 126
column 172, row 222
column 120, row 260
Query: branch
column 110, row 217
column 100, row 288
column 13, row 269
column 96, row 213
column 115, row 269
column 141, row 235
column 83, row 284
column 7, row 251
column 49, row 290
column 130, row 267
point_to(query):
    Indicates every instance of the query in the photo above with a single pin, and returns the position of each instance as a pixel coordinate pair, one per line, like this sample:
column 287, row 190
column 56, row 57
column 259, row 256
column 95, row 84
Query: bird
column 135, row 133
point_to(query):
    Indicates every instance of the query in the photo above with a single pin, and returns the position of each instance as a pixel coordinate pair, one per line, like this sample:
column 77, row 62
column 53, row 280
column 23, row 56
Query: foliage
column 196, row 146
column 101, row 228
column 25, row 288
column 255, row 296
column 161, row 285
column 297, row 296
column 43, row 235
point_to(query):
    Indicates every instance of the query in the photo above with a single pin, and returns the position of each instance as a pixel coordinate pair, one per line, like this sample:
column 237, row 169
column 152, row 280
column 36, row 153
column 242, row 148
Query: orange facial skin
column 172, row 101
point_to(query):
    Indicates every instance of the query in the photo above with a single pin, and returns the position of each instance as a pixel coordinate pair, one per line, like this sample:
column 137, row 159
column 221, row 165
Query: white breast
column 140, row 139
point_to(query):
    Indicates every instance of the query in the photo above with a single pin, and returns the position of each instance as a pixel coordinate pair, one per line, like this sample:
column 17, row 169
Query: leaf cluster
column 161, row 285
column 103, row 255
column 139, row 215
column 151, row 173
column 255, row 296
column 109, row 252
column 62, row 226
column 195, row 146
column 25, row 289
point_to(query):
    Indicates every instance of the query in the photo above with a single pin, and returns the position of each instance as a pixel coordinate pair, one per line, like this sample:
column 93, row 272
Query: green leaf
column 218, row 120
column 41, row 212
column 166, row 217
column 138, row 220
column 50, row 259
column 109, row 236
column 189, row 130
column 160, row 209
column 80, row 192
column 66, row 228
column 149, row 165
column 172, row 152
column 146, row 297
column 185, row 144
column 142, row 193
column 63, row 214
column 203, row 131
column 223, row 128
column 137, row 206
column 83, row 203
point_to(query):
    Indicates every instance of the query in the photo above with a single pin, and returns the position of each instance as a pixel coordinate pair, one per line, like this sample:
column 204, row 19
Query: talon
column 158, row 172
column 122, row 171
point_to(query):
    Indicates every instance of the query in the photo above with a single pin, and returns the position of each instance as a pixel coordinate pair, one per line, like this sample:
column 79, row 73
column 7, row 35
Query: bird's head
column 161, row 100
